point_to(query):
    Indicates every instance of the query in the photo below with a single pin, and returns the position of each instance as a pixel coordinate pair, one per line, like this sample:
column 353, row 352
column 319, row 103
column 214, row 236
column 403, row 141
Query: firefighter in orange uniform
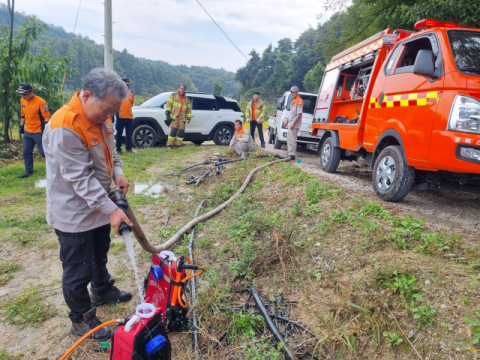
column 34, row 116
column 124, row 119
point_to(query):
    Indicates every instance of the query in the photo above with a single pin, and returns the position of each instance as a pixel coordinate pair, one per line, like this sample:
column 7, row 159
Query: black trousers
column 84, row 260
column 121, row 123
column 253, row 125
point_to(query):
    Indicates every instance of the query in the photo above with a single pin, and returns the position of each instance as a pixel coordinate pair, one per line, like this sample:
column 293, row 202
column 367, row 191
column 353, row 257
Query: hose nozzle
column 121, row 201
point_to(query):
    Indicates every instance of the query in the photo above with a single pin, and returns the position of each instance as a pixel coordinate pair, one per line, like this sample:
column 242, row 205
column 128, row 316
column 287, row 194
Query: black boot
column 119, row 152
column 263, row 145
column 25, row 175
column 292, row 157
column 91, row 321
column 112, row 296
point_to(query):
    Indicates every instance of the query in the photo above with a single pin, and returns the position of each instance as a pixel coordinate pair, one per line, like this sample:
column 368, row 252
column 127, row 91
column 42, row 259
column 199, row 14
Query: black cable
column 195, row 336
column 222, row 30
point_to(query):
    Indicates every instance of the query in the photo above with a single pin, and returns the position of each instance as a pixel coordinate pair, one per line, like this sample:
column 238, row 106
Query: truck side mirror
column 425, row 64
column 280, row 105
column 306, row 103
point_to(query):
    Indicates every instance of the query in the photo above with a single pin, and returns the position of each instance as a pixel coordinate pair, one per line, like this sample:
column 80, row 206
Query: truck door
column 325, row 95
column 408, row 102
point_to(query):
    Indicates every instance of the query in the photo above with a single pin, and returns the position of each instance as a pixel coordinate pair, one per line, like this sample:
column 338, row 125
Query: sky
column 179, row 31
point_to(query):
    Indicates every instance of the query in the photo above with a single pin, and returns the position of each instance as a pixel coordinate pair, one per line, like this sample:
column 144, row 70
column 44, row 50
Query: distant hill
column 146, row 76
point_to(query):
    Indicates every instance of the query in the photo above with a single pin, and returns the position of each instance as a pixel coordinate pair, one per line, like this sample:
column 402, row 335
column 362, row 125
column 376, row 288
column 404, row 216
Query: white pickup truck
column 277, row 134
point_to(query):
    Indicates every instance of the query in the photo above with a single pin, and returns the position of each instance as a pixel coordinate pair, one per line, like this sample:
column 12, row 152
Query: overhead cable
column 222, row 30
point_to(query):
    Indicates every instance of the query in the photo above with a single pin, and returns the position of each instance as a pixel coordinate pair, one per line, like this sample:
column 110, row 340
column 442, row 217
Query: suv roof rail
column 199, row 92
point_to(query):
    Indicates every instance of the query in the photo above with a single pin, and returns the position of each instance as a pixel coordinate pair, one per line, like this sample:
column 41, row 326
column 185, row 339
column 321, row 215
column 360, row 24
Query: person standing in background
column 294, row 121
column 124, row 119
column 178, row 113
column 34, row 116
column 255, row 114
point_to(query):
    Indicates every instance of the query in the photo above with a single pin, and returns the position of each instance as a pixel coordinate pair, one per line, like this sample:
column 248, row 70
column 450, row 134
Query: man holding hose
column 81, row 164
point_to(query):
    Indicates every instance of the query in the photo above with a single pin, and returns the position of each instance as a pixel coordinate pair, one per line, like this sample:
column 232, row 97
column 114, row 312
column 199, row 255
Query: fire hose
column 147, row 246
column 87, row 335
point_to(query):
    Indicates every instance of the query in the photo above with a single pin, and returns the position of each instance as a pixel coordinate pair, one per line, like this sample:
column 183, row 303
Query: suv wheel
column 271, row 135
column 144, row 136
column 223, row 135
column 392, row 176
column 277, row 144
column 329, row 156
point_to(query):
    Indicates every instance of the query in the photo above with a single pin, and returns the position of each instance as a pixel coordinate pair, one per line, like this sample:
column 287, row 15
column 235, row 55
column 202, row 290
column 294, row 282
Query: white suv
column 213, row 118
column 277, row 134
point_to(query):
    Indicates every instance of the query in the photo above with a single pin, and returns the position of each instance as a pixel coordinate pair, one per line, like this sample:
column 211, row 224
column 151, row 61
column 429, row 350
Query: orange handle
column 88, row 335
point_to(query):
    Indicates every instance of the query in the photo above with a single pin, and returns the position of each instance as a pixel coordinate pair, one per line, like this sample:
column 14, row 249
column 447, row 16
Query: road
column 456, row 211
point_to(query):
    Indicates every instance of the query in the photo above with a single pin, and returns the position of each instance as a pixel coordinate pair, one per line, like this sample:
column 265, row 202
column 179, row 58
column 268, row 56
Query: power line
column 222, row 30
column 76, row 20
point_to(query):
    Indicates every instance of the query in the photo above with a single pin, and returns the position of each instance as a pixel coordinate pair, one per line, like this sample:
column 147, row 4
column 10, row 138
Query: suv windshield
column 466, row 50
column 156, row 101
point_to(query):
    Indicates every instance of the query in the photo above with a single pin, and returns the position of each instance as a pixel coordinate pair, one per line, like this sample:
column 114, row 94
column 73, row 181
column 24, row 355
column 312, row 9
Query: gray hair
column 100, row 82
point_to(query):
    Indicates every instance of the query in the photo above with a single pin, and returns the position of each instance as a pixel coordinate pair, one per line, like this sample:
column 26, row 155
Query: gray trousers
column 243, row 149
column 292, row 141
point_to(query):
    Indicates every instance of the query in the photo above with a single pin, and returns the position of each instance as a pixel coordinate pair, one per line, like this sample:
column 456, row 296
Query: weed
column 9, row 266
column 29, row 307
column 242, row 267
column 244, row 324
column 375, row 262
column 317, row 274
column 296, row 208
column 405, row 284
column 204, row 242
column 312, row 209
column 116, row 247
column 424, row 314
column 374, row 209
column 410, row 225
column 475, row 325
column 4, row 355
column 392, row 338
column 4, row 279
column 262, row 351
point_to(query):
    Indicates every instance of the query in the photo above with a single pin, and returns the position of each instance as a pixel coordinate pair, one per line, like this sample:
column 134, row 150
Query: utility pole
column 108, row 47
column 6, row 121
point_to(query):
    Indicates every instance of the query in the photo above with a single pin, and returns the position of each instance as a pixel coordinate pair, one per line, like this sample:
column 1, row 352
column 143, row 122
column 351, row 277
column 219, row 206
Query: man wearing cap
column 124, row 119
column 34, row 116
column 294, row 121
column 241, row 141
column 255, row 114
column 81, row 165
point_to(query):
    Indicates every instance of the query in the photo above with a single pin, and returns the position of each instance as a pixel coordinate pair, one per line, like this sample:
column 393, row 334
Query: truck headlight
column 465, row 115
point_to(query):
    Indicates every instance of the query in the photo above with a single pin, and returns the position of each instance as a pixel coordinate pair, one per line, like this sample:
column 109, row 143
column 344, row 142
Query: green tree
column 218, row 87
column 9, row 78
column 313, row 78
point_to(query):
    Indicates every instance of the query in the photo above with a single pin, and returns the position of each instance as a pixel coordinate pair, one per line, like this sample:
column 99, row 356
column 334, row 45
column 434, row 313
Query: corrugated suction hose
column 147, row 246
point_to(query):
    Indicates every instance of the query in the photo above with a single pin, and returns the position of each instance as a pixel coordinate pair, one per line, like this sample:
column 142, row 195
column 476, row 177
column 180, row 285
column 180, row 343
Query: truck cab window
column 392, row 59
column 405, row 65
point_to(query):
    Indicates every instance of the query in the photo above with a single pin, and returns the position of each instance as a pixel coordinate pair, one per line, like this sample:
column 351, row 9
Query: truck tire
column 392, row 176
column 277, row 144
column 144, row 136
column 330, row 156
column 271, row 135
column 223, row 135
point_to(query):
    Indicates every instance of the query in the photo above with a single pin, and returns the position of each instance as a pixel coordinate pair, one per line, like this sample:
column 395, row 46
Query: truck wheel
column 144, row 136
column 277, row 144
column 271, row 136
column 223, row 135
column 330, row 156
column 392, row 176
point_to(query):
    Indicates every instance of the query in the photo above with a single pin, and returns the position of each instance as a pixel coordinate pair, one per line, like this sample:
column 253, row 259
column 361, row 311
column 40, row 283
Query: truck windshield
column 466, row 50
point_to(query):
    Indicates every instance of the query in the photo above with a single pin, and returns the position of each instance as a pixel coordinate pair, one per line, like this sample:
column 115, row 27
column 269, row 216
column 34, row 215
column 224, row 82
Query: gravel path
column 457, row 211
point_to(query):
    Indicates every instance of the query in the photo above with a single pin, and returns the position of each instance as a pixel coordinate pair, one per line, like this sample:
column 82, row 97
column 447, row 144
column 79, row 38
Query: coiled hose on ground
column 147, row 246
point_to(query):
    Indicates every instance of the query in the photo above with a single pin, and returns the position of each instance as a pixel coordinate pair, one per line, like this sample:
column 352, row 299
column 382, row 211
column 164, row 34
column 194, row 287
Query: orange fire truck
column 407, row 105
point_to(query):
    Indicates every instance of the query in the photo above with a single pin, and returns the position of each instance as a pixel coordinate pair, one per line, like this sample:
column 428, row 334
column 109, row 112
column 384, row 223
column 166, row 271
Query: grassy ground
column 371, row 282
